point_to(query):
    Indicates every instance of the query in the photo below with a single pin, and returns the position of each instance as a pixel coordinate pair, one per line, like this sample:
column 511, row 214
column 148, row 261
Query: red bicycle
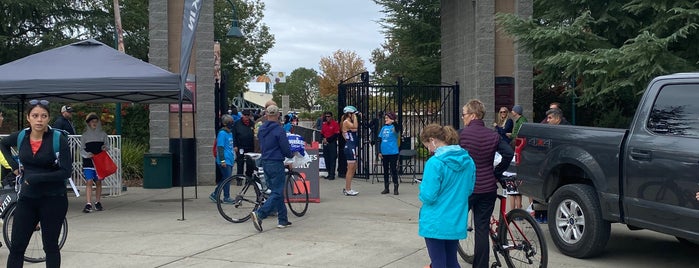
column 515, row 235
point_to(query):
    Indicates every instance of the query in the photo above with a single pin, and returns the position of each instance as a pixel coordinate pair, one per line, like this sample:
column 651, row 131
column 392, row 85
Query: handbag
column 104, row 165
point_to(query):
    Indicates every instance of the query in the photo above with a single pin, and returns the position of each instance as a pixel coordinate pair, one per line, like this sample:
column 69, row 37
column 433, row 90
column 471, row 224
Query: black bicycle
column 249, row 193
column 35, row 249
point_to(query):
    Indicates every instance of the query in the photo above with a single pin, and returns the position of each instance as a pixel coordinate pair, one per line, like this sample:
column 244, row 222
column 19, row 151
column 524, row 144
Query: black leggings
column 390, row 164
column 50, row 211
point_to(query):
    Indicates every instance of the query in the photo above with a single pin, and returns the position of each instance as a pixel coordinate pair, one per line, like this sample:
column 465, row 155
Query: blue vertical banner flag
column 190, row 19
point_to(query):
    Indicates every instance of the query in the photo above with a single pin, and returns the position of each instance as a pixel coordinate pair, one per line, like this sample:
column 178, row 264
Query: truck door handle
column 643, row 155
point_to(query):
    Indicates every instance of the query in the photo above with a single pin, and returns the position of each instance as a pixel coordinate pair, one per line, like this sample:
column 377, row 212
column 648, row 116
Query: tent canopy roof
column 88, row 71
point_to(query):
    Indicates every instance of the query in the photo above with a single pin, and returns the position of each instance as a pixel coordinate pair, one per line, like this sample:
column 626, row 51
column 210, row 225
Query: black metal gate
column 415, row 106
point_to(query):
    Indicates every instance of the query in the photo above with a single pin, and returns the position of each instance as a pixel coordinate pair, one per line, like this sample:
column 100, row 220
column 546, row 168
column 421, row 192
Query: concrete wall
column 470, row 52
column 165, row 23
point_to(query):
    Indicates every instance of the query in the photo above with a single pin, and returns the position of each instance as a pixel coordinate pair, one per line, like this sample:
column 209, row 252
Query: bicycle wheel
column 296, row 194
column 523, row 241
column 35, row 248
column 243, row 200
column 466, row 246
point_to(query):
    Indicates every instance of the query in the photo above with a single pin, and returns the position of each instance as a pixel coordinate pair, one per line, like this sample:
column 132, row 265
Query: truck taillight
column 519, row 145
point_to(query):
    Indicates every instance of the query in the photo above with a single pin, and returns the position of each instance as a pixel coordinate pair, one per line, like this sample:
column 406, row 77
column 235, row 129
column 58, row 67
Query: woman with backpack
column 42, row 197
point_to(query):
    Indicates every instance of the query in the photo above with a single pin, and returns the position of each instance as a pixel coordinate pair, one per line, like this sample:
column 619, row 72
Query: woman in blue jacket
column 388, row 151
column 447, row 182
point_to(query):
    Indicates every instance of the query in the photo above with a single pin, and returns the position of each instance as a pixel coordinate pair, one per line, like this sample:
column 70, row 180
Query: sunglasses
column 35, row 102
column 503, row 112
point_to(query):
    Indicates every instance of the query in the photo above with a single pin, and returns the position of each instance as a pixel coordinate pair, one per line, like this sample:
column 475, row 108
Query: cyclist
column 482, row 143
column 42, row 198
column 350, row 126
column 275, row 147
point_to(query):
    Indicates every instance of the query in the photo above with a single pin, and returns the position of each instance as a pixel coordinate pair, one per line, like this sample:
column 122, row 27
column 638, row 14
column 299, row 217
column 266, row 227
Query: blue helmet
column 349, row 109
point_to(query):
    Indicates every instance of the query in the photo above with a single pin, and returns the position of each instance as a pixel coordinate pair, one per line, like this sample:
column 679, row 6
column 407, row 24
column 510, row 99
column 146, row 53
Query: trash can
column 157, row 170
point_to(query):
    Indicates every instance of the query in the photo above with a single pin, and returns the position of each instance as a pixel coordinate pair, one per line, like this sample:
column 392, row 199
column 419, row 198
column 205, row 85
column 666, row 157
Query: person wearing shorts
column 94, row 141
column 350, row 125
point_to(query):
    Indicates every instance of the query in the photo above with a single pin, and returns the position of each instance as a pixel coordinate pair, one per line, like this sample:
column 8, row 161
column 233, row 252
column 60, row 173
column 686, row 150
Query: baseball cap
column 66, row 108
column 272, row 110
column 91, row 116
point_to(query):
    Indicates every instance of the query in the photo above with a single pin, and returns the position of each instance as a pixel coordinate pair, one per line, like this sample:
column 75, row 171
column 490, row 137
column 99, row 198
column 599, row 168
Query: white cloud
column 307, row 30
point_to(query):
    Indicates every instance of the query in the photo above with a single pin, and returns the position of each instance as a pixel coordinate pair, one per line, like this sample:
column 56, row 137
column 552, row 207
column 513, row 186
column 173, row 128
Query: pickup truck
column 644, row 177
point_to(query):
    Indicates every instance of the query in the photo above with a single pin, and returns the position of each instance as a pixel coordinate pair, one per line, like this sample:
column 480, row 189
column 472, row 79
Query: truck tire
column 575, row 221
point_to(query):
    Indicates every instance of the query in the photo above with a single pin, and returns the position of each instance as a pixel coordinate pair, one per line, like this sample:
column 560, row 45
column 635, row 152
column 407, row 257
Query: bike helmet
column 349, row 109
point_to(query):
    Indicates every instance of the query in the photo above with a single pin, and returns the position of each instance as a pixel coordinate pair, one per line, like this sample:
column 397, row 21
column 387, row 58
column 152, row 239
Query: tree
column 334, row 69
column 241, row 58
column 413, row 45
column 301, row 86
column 609, row 50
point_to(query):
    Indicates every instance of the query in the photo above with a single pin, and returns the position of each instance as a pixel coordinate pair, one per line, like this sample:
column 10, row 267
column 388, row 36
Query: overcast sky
column 307, row 30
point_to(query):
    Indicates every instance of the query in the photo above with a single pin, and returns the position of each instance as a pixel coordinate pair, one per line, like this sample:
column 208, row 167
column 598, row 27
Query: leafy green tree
column 301, row 86
column 605, row 52
column 241, row 58
column 412, row 47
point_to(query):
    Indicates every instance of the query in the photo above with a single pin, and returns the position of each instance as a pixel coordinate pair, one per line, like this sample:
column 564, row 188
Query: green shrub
column 132, row 159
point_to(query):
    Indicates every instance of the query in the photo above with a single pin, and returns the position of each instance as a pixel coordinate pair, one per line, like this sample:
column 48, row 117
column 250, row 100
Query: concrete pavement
column 143, row 228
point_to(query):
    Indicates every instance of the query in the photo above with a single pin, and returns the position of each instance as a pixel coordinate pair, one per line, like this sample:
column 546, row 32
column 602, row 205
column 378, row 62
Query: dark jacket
column 64, row 124
column 244, row 136
column 273, row 142
column 44, row 175
column 482, row 143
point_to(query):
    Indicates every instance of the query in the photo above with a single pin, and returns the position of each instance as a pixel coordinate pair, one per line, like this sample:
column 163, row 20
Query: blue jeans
column 225, row 173
column 442, row 252
column 274, row 172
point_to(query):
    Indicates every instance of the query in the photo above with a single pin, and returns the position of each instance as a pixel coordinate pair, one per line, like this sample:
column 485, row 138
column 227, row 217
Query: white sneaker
column 350, row 192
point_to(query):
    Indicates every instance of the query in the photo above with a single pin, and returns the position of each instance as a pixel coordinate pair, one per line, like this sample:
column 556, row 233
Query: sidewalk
column 143, row 228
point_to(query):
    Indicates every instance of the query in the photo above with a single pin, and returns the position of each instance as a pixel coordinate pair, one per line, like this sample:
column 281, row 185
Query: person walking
column 42, row 198
column 330, row 132
column 244, row 141
column 64, row 121
column 481, row 144
column 350, row 126
column 225, row 157
column 388, row 151
column 448, row 181
column 94, row 141
column 275, row 147
column 503, row 124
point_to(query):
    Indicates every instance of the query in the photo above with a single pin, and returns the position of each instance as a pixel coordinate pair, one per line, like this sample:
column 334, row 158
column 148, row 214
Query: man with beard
column 244, row 140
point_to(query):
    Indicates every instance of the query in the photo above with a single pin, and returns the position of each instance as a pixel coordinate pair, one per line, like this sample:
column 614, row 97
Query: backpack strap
column 56, row 140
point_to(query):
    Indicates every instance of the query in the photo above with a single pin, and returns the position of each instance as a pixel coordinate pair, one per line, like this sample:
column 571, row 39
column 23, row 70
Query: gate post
column 457, row 109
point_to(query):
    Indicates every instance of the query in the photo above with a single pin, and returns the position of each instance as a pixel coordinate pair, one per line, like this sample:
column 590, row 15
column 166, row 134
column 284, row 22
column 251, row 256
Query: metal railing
column 111, row 185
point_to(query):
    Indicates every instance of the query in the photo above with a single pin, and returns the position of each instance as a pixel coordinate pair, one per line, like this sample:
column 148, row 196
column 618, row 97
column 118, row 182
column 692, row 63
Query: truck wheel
column 575, row 221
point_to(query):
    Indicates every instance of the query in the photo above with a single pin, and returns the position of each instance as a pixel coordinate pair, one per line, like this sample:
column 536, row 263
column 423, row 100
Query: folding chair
column 377, row 171
column 406, row 163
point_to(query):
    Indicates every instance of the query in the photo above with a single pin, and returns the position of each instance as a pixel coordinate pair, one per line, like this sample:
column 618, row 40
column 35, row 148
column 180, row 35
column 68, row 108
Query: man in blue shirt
column 275, row 147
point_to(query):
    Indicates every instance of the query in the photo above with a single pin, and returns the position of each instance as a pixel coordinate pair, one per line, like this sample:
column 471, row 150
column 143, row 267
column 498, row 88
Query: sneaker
column 228, row 200
column 256, row 221
column 350, row 192
column 212, row 197
column 98, row 206
column 282, row 226
column 87, row 208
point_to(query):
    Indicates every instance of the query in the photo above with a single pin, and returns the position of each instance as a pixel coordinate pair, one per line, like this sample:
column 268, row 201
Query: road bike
column 515, row 235
column 249, row 193
column 35, row 249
